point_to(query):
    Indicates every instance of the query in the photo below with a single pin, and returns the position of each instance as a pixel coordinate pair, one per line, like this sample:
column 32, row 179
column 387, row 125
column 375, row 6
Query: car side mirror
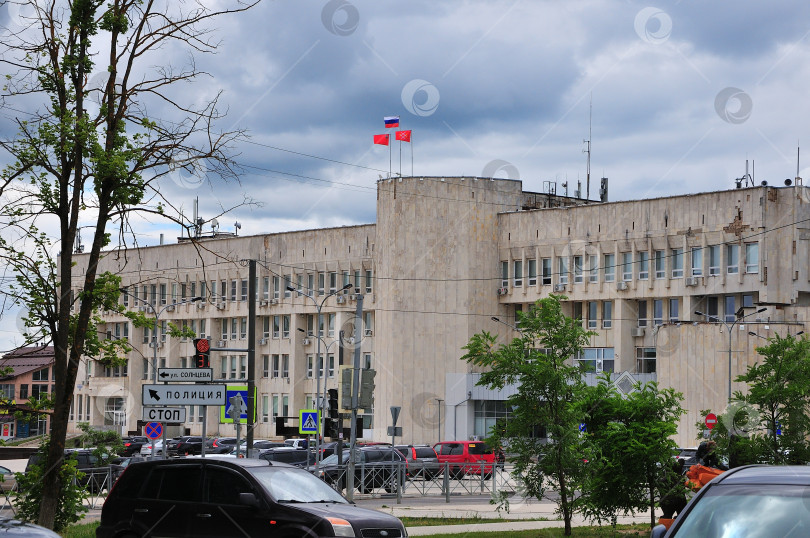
column 658, row 531
column 248, row 499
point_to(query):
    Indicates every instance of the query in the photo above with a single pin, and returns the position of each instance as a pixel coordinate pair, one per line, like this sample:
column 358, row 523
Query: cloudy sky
column 682, row 93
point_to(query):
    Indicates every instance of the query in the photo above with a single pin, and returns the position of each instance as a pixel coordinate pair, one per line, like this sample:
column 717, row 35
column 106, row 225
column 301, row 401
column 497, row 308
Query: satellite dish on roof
column 214, row 225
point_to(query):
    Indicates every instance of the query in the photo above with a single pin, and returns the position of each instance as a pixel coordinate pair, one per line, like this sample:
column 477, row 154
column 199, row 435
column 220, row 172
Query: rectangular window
column 596, row 359
column 593, row 268
column 265, row 408
column 674, row 309
column 125, row 296
column 332, row 281
column 276, row 327
column 504, row 274
column 563, row 270
column 658, row 311
column 731, row 309
column 660, row 264
column 627, row 266
column 276, row 287
column 285, row 326
column 321, row 283
column 233, row 290
column 175, row 298
column 752, row 257
column 234, row 327
column 357, row 281
column 265, row 326
column 310, row 366
column 748, row 301
column 645, row 360
column 243, row 328
column 677, row 263
column 242, row 366
column 578, row 276
column 276, row 367
column 163, row 295
column 23, row 391
column 714, row 260
column 577, row 311
column 697, row 261
column 265, row 366
column 369, row 281
column 518, row 274
column 330, row 325
column 275, row 405
column 607, row 314
column 285, row 365
column 243, row 290
column 593, row 323
column 712, row 308
column 532, row 272
column 285, row 404
column 233, row 366
column 330, row 359
column 266, row 288
column 732, row 259
column 368, row 323
column 546, row 268
column 610, row 267
column 288, row 283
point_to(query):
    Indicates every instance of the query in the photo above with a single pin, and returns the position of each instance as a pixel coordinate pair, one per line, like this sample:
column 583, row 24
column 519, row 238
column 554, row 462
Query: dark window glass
column 174, row 484
column 479, row 448
column 224, row 486
column 425, row 452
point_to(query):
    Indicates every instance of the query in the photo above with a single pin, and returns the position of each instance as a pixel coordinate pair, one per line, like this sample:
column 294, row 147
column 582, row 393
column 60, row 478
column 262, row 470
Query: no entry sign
column 711, row 420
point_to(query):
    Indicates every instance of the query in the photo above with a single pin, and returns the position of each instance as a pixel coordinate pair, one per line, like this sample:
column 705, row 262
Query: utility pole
column 355, row 399
column 251, row 377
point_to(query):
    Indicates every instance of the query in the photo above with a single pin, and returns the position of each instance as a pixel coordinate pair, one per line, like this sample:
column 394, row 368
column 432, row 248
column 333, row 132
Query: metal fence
column 444, row 480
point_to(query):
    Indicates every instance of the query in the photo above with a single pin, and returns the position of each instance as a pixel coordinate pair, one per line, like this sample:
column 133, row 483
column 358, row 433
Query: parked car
column 9, row 480
column 185, row 445
column 133, row 444
column 422, row 461
column 14, row 527
column 146, row 449
column 465, row 457
column 300, row 457
column 297, row 443
column 754, row 500
column 263, row 444
column 688, row 455
column 96, row 474
column 232, row 498
column 375, row 467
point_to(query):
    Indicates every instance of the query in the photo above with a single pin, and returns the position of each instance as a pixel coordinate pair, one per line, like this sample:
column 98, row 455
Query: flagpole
column 411, row 154
column 389, row 156
column 400, row 158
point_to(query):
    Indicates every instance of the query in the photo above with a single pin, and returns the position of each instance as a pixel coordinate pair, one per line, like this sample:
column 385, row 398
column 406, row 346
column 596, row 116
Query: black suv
column 300, row 457
column 423, row 463
column 97, row 476
column 133, row 444
column 232, row 498
column 375, row 467
column 185, row 445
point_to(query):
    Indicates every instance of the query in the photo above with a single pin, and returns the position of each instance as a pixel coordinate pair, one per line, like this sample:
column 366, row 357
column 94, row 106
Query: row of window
column 587, row 266
column 267, row 287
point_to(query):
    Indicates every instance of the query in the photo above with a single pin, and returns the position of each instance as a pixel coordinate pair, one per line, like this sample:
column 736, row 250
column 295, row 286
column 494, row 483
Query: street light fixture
column 155, row 342
column 738, row 316
column 514, row 327
column 320, row 396
column 752, row 333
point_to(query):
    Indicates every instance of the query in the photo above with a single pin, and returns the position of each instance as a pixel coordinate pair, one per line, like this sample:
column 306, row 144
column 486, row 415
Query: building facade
column 445, row 256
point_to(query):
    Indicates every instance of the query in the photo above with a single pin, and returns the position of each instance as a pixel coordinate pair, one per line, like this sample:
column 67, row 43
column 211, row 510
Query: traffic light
column 366, row 395
column 332, row 424
column 202, row 350
column 346, row 388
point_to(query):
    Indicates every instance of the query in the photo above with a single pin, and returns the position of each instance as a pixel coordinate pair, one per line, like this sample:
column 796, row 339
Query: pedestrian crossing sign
column 308, row 422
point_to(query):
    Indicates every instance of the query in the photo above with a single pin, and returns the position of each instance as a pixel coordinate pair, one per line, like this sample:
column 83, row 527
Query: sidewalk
column 521, row 510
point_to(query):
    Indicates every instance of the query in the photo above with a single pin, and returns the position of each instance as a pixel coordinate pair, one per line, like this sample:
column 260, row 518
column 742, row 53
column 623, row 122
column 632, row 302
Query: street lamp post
column 729, row 326
column 318, row 306
column 513, row 327
column 155, row 342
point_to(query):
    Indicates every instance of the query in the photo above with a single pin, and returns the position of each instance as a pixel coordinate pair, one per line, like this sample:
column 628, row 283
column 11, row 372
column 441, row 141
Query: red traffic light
column 202, row 348
column 202, row 345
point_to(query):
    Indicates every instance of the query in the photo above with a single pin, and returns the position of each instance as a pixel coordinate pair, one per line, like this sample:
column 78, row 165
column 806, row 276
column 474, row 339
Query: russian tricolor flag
column 391, row 121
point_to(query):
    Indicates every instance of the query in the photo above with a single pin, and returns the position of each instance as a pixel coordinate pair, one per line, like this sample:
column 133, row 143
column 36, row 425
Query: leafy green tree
column 30, row 489
column 631, row 439
column 548, row 389
column 89, row 155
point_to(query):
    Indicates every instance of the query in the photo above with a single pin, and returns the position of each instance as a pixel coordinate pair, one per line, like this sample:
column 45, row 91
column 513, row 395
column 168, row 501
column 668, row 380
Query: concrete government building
column 446, row 255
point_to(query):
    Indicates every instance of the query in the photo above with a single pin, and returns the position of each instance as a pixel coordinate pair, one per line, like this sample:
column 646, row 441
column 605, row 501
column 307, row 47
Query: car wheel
column 487, row 476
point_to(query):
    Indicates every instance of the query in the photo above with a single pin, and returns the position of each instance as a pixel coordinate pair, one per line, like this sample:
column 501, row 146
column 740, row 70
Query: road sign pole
column 355, row 388
column 204, row 424
column 251, row 354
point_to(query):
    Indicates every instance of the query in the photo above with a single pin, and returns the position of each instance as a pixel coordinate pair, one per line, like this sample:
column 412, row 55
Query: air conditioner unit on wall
column 341, row 299
column 273, row 301
column 200, row 305
column 621, row 286
column 306, row 341
column 221, row 343
column 220, row 306
column 503, row 291
column 637, row 331
column 263, row 303
column 559, row 287
column 692, row 281
column 263, row 341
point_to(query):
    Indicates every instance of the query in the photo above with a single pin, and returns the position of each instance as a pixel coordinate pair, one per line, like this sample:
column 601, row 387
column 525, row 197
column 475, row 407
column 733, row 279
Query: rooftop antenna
column 78, row 248
column 588, row 150
column 798, row 180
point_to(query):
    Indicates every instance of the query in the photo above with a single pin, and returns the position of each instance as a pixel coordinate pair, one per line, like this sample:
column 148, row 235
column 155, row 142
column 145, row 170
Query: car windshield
column 295, row 485
column 727, row 511
column 333, row 459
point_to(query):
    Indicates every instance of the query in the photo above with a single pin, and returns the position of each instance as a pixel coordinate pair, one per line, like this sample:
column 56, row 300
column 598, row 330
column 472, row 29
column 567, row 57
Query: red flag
column 381, row 139
column 404, row 136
